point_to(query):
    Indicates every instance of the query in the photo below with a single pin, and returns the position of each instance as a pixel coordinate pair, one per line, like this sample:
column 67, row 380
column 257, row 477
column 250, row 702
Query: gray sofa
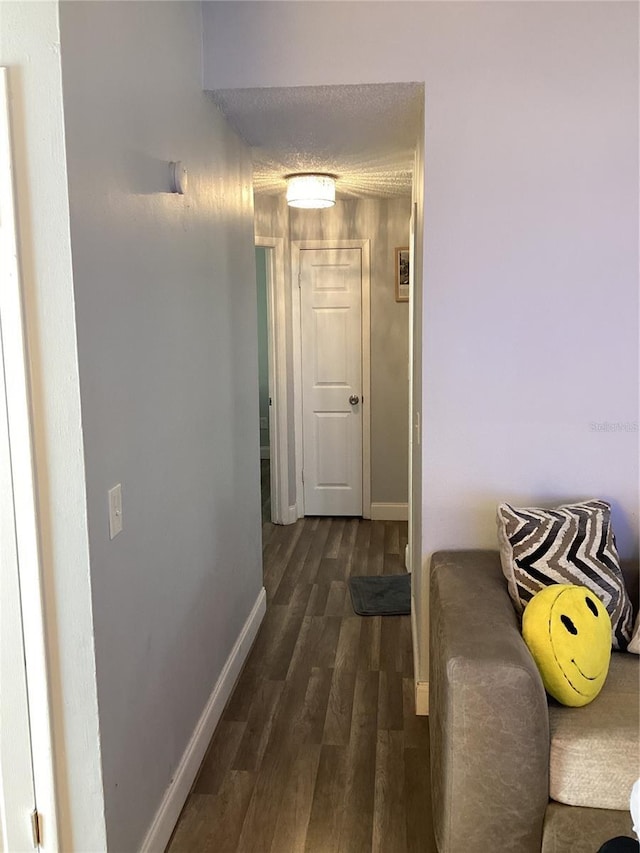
column 490, row 723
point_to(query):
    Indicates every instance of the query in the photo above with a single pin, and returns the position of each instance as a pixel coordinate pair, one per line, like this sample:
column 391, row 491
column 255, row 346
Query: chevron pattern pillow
column 573, row 544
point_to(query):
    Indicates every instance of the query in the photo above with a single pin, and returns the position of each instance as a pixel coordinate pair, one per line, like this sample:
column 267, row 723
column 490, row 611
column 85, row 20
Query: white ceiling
column 366, row 135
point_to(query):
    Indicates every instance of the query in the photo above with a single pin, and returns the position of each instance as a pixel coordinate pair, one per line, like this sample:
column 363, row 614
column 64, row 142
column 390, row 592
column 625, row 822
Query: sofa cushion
column 595, row 750
column 634, row 645
column 568, row 829
column 572, row 544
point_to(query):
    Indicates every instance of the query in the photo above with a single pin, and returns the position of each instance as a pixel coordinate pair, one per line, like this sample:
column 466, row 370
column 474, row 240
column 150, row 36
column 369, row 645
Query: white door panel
column 331, row 286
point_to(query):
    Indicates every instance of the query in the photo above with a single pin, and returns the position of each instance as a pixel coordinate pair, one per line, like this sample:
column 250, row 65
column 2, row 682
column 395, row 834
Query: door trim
column 277, row 322
column 298, row 246
column 14, row 363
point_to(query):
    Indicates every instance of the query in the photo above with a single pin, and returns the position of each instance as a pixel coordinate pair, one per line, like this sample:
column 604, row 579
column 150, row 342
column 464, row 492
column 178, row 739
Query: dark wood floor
column 265, row 489
column 319, row 748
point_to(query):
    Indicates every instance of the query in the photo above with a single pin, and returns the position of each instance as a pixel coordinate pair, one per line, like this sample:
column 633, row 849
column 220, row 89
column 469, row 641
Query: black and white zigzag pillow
column 572, row 544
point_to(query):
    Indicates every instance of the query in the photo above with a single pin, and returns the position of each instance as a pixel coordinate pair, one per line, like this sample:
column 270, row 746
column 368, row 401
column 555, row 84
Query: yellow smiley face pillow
column 568, row 632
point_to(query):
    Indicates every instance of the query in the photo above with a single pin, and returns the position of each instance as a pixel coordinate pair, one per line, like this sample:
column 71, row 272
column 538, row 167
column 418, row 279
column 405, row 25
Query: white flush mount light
column 311, row 191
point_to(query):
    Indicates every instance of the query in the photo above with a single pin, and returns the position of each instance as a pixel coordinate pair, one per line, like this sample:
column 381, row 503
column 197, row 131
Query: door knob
column 354, row 399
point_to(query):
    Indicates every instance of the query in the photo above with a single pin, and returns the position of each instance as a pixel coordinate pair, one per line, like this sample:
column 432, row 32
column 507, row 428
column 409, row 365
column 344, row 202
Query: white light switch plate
column 115, row 511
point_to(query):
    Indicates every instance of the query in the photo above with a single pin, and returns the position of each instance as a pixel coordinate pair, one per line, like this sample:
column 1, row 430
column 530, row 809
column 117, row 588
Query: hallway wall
column 166, row 324
column 530, row 316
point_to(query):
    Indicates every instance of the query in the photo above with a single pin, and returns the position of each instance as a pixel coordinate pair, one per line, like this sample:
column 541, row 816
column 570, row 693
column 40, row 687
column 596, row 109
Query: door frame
column 298, row 246
column 19, row 505
column 281, row 513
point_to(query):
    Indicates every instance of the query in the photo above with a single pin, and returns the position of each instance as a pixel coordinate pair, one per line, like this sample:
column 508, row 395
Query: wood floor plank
column 392, row 537
column 375, row 553
column 220, row 755
column 316, row 701
column 330, row 569
column 293, row 821
column 359, row 561
column 323, row 833
column 346, row 554
column 389, row 820
column 418, row 812
column 316, row 550
column 252, row 674
column 348, row 643
column 369, row 650
column 357, row 821
column 276, row 568
column 335, row 599
column 212, row 824
column 332, row 547
column 294, row 566
column 390, row 704
column 258, row 727
column 393, row 564
column 263, row 810
column 337, row 727
column 316, row 644
column 279, row 660
column 390, row 658
column 318, row 598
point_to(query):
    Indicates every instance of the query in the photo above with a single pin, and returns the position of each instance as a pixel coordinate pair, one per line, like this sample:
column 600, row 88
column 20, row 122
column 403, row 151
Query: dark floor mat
column 381, row 595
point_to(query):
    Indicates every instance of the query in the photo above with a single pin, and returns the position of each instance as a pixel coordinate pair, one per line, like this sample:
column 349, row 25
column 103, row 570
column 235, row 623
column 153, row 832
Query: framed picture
column 402, row 274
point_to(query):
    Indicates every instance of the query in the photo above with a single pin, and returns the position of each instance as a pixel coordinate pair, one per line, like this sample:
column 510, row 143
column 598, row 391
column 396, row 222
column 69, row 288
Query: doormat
column 381, row 595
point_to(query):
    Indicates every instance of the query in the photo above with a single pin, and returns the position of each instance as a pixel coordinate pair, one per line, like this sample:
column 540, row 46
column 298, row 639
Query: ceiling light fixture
column 311, row 190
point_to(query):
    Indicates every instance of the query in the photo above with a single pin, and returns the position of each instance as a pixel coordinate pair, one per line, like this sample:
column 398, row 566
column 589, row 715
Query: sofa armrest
column 488, row 716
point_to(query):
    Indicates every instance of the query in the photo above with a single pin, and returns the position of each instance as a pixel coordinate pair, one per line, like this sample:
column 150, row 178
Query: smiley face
column 568, row 632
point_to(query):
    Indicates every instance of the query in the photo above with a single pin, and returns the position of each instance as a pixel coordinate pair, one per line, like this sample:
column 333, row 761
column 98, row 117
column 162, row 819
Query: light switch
column 115, row 511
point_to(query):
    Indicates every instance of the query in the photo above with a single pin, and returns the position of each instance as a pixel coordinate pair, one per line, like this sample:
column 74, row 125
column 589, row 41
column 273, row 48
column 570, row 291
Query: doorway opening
column 272, row 366
column 264, row 394
column 372, row 138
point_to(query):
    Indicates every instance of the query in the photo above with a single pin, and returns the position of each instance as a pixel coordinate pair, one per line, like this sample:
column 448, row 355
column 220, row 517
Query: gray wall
column 530, row 310
column 166, row 323
column 385, row 222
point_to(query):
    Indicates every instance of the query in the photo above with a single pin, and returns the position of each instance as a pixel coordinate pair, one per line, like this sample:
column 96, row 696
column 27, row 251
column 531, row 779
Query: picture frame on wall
column 402, row 274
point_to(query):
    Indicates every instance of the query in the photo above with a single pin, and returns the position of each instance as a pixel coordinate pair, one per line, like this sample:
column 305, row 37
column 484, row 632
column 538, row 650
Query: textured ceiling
column 365, row 135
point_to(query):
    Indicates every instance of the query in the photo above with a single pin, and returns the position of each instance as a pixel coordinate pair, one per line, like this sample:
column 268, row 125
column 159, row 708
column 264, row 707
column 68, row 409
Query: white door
column 331, row 316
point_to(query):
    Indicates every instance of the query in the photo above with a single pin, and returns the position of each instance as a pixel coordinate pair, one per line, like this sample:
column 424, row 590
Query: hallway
column 319, row 748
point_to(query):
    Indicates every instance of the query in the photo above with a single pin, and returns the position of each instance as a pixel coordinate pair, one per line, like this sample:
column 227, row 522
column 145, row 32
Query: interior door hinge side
column 36, row 828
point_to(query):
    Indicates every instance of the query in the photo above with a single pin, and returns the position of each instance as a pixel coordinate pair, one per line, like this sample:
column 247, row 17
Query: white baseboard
column 265, row 452
column 421, row 687
column 422, row 698
column 390, row 512
column 414, row 637
column 292, row 515
column 176, row 794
